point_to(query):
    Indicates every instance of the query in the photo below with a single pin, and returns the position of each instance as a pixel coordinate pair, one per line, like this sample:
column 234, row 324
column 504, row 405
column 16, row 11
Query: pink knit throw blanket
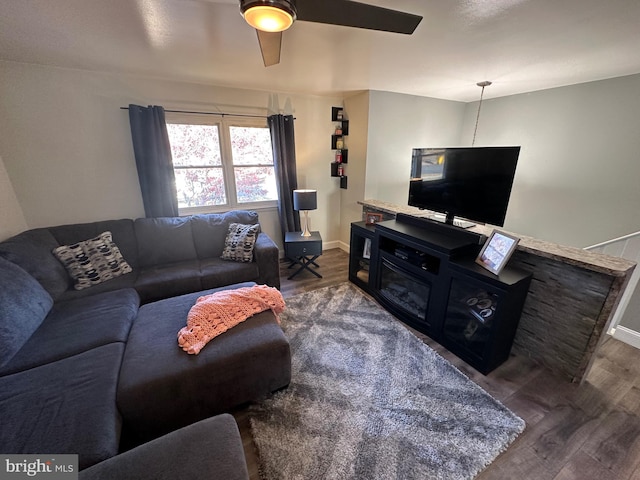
column 216, row 313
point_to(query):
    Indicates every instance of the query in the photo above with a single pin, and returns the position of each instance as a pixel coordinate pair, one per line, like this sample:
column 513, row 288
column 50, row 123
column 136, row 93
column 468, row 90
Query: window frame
column 228, row 174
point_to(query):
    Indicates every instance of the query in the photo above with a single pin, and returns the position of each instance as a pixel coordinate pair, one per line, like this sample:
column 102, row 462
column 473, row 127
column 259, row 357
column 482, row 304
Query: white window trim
column 223, row 124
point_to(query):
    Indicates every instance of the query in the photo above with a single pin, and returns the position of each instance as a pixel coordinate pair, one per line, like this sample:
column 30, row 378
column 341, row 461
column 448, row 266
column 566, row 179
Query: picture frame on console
column 372, row 218
column 497, row 251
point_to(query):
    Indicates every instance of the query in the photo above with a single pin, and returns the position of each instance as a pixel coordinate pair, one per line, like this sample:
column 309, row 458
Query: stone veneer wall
column 561, row 315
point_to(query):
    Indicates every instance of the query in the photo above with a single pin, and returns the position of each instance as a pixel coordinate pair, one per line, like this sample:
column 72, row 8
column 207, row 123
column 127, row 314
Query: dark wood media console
column 424, row 273
column 572, row 299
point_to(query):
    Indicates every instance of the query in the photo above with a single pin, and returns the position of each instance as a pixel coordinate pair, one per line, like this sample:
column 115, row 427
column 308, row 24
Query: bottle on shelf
column 338, row 156
column 340, row 170
column 339, row 143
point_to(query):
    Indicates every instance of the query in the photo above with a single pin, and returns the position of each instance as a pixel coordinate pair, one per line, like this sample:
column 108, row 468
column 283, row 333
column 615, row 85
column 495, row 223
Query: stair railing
column 627, row 247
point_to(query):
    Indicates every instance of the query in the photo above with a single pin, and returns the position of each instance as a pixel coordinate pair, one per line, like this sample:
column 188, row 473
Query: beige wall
column 397, row 124
column 384, row 128
column 11, row 218
column 357, row 109
column 65, row 144
column 67, row 147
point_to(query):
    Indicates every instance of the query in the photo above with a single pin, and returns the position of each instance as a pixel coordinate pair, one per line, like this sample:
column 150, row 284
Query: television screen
column 469, row 182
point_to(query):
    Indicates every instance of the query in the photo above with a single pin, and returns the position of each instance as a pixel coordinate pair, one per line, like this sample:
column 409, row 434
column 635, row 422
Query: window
column 221, row 163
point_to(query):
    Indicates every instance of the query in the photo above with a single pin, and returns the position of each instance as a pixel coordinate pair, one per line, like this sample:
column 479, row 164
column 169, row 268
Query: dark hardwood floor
column 574, row 432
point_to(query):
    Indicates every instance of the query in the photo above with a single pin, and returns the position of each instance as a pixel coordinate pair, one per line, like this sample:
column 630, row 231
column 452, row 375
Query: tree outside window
column 253, row 164
column 222, row 164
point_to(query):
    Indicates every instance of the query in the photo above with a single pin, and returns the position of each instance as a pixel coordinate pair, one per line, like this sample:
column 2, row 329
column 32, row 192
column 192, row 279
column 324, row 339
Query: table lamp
column 305, row 200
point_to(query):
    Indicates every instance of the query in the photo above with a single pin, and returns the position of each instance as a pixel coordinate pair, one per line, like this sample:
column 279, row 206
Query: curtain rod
column 212, row 113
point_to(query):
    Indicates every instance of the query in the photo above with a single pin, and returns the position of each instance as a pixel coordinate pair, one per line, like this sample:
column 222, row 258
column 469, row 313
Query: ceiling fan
column 271, row 17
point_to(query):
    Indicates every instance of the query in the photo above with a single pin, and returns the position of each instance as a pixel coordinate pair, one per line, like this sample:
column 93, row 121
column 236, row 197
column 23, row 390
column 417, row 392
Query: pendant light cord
column 475, row 130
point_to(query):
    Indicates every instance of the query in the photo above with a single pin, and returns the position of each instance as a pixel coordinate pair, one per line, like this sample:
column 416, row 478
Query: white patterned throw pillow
column 238, row 246
column 92, row 261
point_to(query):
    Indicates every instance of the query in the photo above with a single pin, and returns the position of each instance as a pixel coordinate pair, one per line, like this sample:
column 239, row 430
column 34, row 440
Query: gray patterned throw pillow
column 238, row 246
column 92, row 261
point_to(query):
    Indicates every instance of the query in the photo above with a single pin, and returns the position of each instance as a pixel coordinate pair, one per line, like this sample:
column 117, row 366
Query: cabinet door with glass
column 482, row 316
column 360, row 251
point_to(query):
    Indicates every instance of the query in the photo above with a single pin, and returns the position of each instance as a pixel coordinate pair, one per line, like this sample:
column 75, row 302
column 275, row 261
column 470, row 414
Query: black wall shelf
column 338, row 144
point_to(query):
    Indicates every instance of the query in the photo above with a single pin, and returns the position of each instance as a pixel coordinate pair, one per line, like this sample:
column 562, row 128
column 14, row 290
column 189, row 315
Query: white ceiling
column 519, row 45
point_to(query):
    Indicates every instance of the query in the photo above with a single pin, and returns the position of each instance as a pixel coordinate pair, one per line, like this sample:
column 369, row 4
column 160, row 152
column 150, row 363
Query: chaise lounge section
column 234, row 368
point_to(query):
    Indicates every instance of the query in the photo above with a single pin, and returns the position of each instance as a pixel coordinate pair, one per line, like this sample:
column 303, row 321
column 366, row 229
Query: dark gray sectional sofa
column 207, row 449
column 169, row 256
column 75, row 364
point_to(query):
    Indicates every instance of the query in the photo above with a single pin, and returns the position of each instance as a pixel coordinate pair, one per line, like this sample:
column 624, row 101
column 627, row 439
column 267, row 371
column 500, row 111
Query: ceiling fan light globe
column 268, row 18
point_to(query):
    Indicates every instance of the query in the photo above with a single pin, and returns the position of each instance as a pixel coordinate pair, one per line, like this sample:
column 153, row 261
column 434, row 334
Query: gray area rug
column 368, row 400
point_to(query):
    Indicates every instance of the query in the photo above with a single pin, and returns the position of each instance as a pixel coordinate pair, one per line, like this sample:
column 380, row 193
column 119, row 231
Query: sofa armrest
column 210, row 449
column 267, row 256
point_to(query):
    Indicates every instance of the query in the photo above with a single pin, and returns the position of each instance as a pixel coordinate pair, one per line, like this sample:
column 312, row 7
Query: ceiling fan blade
column 359, row 15
column 270, row 44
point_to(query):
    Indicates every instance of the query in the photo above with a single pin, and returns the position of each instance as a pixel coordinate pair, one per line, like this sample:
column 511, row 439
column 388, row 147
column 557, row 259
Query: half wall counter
column 571, row 300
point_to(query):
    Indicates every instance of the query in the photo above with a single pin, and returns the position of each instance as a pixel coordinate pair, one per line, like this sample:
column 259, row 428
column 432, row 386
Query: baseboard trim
column 626, row 335
column 335, row 244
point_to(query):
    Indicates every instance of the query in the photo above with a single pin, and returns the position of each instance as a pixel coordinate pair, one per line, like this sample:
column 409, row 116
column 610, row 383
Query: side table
column 303, row 251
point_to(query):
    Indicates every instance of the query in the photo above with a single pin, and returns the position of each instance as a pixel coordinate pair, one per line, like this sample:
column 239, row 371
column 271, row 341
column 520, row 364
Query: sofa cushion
column 211, row 449
column 216, row 272
column 33, row 251
column 210, row 230
column 93, row 261
column 122, row 231
column 162, row 281
column 64, row 407
column 76, row 326
column 24, row 304
column 239, row 242
column 118, row 283
column 244, row 364
column 164, row 240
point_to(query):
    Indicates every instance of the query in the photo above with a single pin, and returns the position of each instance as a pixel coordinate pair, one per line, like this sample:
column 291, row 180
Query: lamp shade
column 305, row 200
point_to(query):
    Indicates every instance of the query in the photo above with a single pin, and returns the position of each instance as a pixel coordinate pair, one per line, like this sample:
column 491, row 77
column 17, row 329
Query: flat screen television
column 469, row 182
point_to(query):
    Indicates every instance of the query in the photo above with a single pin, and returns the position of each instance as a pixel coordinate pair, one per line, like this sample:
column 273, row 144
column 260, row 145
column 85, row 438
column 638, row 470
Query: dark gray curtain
column 284, row 161
column 153, row 160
